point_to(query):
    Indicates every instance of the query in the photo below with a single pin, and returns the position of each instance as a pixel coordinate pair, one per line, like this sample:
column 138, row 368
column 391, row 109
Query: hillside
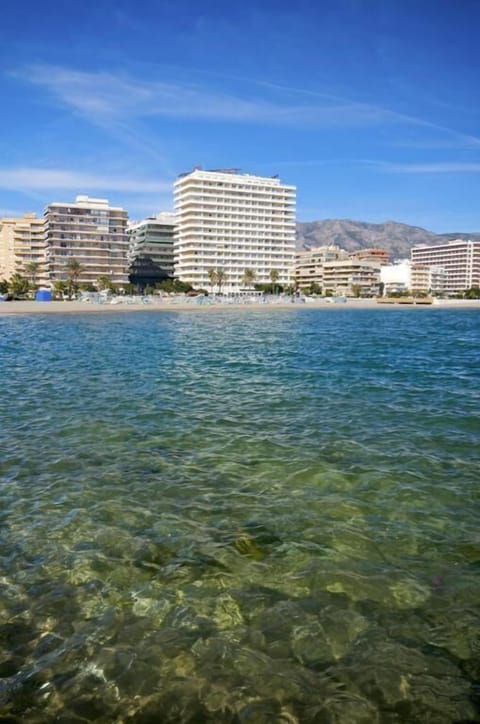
column 393, row 236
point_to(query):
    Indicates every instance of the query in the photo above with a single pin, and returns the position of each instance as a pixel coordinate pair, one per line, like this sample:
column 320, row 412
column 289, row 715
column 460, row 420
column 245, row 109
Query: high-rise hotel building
column 460, row 259
column 93, row 233
column 231, row 221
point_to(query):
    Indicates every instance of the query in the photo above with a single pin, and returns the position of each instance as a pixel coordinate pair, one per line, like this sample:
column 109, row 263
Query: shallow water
column 240, row 517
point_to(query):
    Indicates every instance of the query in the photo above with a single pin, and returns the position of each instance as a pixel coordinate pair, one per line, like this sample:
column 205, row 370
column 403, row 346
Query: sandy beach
column 172, row 305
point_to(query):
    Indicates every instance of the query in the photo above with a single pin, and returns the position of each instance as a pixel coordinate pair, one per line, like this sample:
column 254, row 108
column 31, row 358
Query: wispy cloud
column 440, row 167
column 444, row 167
column 456, row 138
column 119, row 103
column 44, row 179
column 104, row 95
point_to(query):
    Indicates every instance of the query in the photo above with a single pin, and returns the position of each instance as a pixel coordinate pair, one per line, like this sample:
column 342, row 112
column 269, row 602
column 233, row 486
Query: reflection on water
column 240, row 517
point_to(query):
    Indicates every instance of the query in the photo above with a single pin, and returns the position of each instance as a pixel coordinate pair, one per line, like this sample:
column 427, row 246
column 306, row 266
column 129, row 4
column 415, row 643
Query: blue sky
column 370, row 107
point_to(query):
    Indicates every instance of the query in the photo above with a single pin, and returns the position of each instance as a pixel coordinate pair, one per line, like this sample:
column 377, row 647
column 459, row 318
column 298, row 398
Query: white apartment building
column 231, row 221
column 150, row 249
column 459, row 258
column 396, row 277
column 93, row 233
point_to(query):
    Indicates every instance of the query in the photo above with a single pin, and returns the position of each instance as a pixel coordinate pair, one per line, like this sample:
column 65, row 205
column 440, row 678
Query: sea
column 240, row 517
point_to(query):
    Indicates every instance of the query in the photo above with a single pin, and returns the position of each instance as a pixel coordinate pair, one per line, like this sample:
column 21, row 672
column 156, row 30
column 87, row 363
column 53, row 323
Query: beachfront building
column 309, row 265
column 419, row 278
column 459, row 258
column 351, row 278
column 395, row 278
column 234, row 223
column 7, row 255
column 150, row 249
column 377, row 255
column 22, row 248
column 30, row 249
column 93, row 233
column 403, row 277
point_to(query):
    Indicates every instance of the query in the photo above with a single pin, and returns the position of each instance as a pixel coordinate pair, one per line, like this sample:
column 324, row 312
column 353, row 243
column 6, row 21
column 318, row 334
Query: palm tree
column 60, row 288
column 274, row 275
column 18, row 286
column 249, row 277
column 212, row 277
column 74, row 270
column 32, row 269
column 221, row 278
column 103, row 282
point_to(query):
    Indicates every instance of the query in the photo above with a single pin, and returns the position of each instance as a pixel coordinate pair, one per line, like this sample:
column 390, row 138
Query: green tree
column 472, row 293
column 3, row 286
column 221, row 279
column 60, row 287
column 18, row 286
column 274, row 277
column 212, row 278
column 74, row 270
column 174, row 285
column 249, row 277
column 314, row 288
column 32, row 269
column 104, row 283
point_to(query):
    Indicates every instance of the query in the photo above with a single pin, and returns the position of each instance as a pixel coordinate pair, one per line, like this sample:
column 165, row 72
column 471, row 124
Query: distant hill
column 396, row 238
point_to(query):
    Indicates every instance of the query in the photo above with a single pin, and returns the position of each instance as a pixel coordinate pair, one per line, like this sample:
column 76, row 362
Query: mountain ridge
column 394, row 236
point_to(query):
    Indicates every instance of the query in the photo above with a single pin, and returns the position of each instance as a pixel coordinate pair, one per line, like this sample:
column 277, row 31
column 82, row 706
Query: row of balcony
column 220, row 189
column 228, row 200
column 235, row 226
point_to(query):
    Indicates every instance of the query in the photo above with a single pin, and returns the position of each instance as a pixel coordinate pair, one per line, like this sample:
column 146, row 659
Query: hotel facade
column 459, row 258
column 93, row 233
column 233, row 222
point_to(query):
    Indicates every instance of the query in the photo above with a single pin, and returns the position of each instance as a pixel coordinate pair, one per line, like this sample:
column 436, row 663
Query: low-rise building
column 351, row 277
column 396, row 277
column 309, row 264
column 377, row 255
column 406, row 278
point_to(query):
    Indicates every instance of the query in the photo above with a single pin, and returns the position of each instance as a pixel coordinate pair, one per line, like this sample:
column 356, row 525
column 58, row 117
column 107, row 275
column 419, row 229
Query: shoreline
column 25, row 308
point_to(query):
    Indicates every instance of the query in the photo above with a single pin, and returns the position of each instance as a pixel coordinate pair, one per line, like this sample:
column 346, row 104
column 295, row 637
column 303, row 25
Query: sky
column 370, row 107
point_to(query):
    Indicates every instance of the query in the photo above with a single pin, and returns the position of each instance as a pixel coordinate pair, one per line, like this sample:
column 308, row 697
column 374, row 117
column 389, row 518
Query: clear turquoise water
column 240, row 517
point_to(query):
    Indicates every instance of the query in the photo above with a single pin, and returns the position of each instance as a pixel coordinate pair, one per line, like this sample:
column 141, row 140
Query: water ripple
column 240, row 517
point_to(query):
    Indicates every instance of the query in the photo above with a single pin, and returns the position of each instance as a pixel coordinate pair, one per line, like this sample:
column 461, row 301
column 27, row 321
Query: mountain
column 393, row 236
